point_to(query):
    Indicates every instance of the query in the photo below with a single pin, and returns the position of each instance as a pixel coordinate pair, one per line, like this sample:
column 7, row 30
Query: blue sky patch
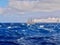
column 3, row 3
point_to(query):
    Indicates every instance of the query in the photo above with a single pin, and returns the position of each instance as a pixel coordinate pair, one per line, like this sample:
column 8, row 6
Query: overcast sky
column 22, row 10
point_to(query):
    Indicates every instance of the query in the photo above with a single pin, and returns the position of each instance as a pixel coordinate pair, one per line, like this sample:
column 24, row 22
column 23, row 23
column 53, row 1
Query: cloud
column 35, row 6
column 23, row 6
column 15, row 8
column 1, row 10
column 12, row 11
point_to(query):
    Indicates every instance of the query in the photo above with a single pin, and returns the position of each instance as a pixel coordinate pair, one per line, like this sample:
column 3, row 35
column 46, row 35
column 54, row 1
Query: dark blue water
column 29, row 34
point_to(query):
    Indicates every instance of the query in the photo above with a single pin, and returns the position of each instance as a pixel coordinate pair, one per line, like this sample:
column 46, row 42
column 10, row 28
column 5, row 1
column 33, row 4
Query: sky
column 22, row 10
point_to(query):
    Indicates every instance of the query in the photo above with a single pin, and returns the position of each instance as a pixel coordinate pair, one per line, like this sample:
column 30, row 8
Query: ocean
column 29, row 34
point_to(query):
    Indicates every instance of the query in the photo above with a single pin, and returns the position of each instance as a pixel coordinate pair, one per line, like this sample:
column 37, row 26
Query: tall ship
column 44, row 20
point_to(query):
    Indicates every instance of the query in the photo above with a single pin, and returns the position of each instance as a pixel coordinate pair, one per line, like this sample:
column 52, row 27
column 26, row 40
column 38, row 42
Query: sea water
column 29, row 34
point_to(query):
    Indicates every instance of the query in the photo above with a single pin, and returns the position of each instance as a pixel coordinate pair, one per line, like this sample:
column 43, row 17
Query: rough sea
column 29, row 34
